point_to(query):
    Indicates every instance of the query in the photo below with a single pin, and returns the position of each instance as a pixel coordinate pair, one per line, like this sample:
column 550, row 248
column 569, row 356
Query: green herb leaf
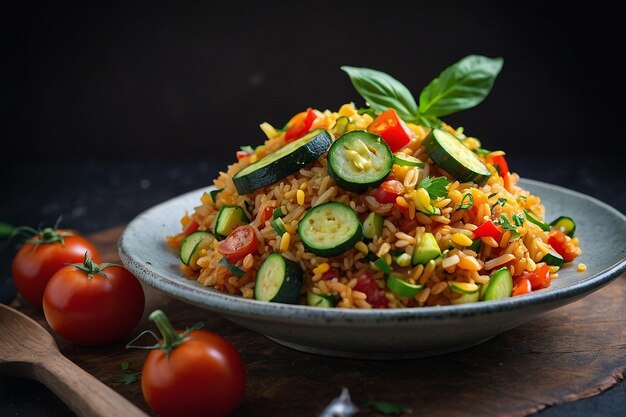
column 367, row 110
column 125, row 366
column 235, row 270
column 491, row 195
column 460, row 86
column 501, row 201
column 470, row 202
column 518, row 219
column 128, row 379
column 481, row 151
column 387, row 408
column 436, row 186
column 382, row 91
column 505, row 223
column 214, row 193
column 383, row 265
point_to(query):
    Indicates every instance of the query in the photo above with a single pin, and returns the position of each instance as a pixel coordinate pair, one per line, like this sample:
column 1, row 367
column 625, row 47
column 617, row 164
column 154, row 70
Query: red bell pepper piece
column 488, row 229
column 300, row 125
column 392, row 129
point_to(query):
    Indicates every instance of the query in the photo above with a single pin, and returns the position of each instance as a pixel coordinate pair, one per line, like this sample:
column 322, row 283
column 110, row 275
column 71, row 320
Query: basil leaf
column 460, row 86
column 382, row 91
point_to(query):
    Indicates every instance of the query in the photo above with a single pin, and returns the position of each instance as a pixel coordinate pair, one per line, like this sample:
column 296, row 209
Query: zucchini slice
column 552, row 258
column 284, row 162
column 565, row 224
column 402, row 288
column 463, row 287
column 330, row 229
column 373, row 225
column 228, row 219
column 192, row 245
column 358, row 160
column 278, row 280
column 426, row 249
column 499, row 286
column 457, row 160
column 321, row 300
column 530, row 216
column 467, row 298
column 407, row 161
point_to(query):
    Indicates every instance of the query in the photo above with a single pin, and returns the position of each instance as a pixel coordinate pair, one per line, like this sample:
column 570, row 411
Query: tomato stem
column 91, row 268
column 171, row 338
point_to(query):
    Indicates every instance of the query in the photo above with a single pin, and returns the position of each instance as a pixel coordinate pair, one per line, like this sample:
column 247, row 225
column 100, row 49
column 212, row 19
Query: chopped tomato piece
column 522, row 286
column 488, row 229
column 243, row 154
column 191, row 227
column 267, row 214
column 392, row 129
column 388, row 191
column 239, row 243
column 365, row 283
column 540, row 277
column 562, row 243
column 330, row 274
column 503, row 169
column 300, row 125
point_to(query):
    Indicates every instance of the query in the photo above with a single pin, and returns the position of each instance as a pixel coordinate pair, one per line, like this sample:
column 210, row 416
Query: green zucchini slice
column 500, row 285
column 278, row 280
column 565, row 224
column 426, row 249
column 192, row 245
column 402, row 288
column 373, row 225
column 358, row 160
column 228, row 219
column 321, row 300
column 552, row 258
column 330, row 229
column 457, row 160
column 284, row 162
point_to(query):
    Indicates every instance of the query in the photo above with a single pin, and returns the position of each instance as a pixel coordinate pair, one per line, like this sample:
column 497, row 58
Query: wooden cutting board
column 574, row 352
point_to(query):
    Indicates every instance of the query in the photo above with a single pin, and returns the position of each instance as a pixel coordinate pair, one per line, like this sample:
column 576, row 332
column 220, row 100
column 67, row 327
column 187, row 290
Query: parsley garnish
column 387, row 408
column 470, row 202
column 127, row 377
column 504, row 222
column 436, row 187
column 518, row 219
column 502, row 201
column 491, row 195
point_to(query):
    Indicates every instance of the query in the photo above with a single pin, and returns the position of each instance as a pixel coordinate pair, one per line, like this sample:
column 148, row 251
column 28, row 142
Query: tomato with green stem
column 44, row 253
column 92, row 304
column 192, row 373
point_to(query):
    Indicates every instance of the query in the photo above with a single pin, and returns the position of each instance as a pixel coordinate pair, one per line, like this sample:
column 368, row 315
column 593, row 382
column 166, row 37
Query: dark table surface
column 95, row 195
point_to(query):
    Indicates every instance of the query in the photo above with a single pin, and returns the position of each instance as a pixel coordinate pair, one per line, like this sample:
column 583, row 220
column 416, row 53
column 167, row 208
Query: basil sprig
column 461, row 86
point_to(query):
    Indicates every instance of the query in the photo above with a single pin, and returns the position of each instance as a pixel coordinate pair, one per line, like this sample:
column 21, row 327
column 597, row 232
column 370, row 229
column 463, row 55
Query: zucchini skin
column 291, row 285
column 449, row 163
column 247, row 182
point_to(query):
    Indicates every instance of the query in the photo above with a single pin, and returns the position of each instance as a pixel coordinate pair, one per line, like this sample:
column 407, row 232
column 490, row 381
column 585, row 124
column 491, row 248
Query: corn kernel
column 461, row 239
column 360, row 246
column 581, row 267
column 469, row 263
column 321, row 268
column 284, row 242
column 300, row 197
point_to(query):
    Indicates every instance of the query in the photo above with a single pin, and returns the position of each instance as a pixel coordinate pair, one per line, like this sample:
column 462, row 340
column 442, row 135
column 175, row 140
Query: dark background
column 110, row 109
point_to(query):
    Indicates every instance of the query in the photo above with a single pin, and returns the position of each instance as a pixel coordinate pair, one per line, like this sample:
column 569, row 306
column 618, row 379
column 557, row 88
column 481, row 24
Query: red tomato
column 392, row 129
column 388, row 191
column 203, row 375
column 93, row 304
column 540, row 277
column 562, row 243
column 503, row 169
column 268, row 212
column 521, row 287
column 36, row 262
column 191, row 227
column 488, row 229
column 375, row 297
column 300, row 125
column 239, row 243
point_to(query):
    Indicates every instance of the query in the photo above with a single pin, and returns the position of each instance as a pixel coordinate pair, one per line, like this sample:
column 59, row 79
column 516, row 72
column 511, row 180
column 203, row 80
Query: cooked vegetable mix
column 378, row 207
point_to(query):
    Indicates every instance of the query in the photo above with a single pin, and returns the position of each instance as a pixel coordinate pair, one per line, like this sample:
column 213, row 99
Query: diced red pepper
column 191, row 227
column 300, row 125
column 267, row 214
column 488, row 229
column 503, row 169
column 392, row 129
column 330, row 274
column 243, row 154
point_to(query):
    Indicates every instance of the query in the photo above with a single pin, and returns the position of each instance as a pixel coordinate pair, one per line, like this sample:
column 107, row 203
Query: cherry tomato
column 193, row 374
column 503, row 169
column 93, row 304
column 522, row 286
column 562, row 243
column 388, row 191
column 392, row 129
column 239, row 243
column 488, row 229
column 540, row 277
column 43, row 255
column 300, row 124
